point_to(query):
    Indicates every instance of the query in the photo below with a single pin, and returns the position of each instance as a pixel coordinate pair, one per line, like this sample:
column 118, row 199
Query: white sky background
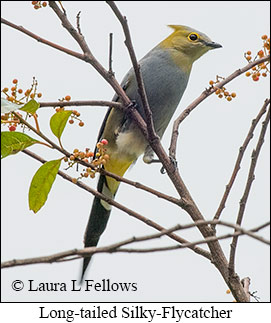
column 207, row 150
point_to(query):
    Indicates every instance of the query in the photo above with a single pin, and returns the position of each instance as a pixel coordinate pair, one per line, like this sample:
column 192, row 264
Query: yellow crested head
column 187, row 45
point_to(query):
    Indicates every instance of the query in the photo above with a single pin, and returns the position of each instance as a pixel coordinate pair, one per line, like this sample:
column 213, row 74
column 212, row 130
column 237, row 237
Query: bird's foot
column 173, row 161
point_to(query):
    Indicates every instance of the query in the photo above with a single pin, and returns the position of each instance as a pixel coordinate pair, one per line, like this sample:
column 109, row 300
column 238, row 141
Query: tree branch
column 251, row 176
column 239, row 159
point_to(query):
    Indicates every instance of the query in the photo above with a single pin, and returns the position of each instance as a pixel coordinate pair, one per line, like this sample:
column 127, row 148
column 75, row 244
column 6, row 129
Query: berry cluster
column 39, row 4
column 222, row 92
column 75, row 114
column 18, row 96
column 262, row 68
column 98, row 161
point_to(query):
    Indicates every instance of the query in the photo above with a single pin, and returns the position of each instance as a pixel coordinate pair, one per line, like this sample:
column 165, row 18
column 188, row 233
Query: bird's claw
column 173, row 161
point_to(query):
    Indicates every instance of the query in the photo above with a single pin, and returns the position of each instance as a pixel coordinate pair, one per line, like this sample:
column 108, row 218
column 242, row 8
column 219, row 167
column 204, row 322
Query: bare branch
column 102, row 103
column 110, row 54
column 78, row 23
column 251, row 176
column 239, row 159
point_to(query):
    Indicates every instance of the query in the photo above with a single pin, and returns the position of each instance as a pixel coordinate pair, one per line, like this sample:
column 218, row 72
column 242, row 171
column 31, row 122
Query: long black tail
column 98, row 219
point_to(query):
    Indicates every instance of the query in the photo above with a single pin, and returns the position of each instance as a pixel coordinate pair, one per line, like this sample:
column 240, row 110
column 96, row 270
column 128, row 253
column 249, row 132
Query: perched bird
column 165, row 71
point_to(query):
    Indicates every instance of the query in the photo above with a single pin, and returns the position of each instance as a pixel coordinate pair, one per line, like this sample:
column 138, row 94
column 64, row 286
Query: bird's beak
column 213, row 45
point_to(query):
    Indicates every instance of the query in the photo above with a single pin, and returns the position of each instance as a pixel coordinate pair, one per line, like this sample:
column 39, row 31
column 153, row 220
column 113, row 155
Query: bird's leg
column 148, row 158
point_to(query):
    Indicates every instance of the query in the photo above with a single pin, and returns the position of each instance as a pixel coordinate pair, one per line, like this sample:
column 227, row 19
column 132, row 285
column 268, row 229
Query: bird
column 165, row 72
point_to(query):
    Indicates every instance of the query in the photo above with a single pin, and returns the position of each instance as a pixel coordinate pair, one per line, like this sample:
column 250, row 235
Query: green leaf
column 7, row 106
column 58, row 122
column 13, row 142
column 41, row 184
column 31, row 107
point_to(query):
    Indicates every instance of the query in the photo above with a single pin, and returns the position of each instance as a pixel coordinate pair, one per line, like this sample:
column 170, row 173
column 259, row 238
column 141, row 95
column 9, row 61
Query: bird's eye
column 193, row 36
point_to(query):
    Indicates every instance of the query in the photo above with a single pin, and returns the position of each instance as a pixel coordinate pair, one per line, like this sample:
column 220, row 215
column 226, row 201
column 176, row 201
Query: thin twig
column 141, row 88
column 102, row 103
column 40, row 134
column 239, row 159
column 110, row 54
column 78, row 23
column 243, row 201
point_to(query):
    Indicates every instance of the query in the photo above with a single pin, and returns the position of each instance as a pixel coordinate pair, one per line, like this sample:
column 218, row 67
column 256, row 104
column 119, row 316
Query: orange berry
column 228, row 291
column 72, row 157
column 20, row 91
column 85, row 174
column 90, row 154
column 233, row 95
column 264, row 74
column 256, row 78
column 220, row 96
column 11, row 98
column 39, row 95
column 248, row 52
column 67, row 98
column 229, row 98
column 74, row 180
column 13, row 88
column 34, row 2
column 260, row 53
column 32, row 95
column 36, row 6
column 71, row 121
column 81, row 124
column 264, row 37
column 5, row 89
column 248, row 58
column 44, row 4
column 211, row 82
column 15, row 81
column 82, row 154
